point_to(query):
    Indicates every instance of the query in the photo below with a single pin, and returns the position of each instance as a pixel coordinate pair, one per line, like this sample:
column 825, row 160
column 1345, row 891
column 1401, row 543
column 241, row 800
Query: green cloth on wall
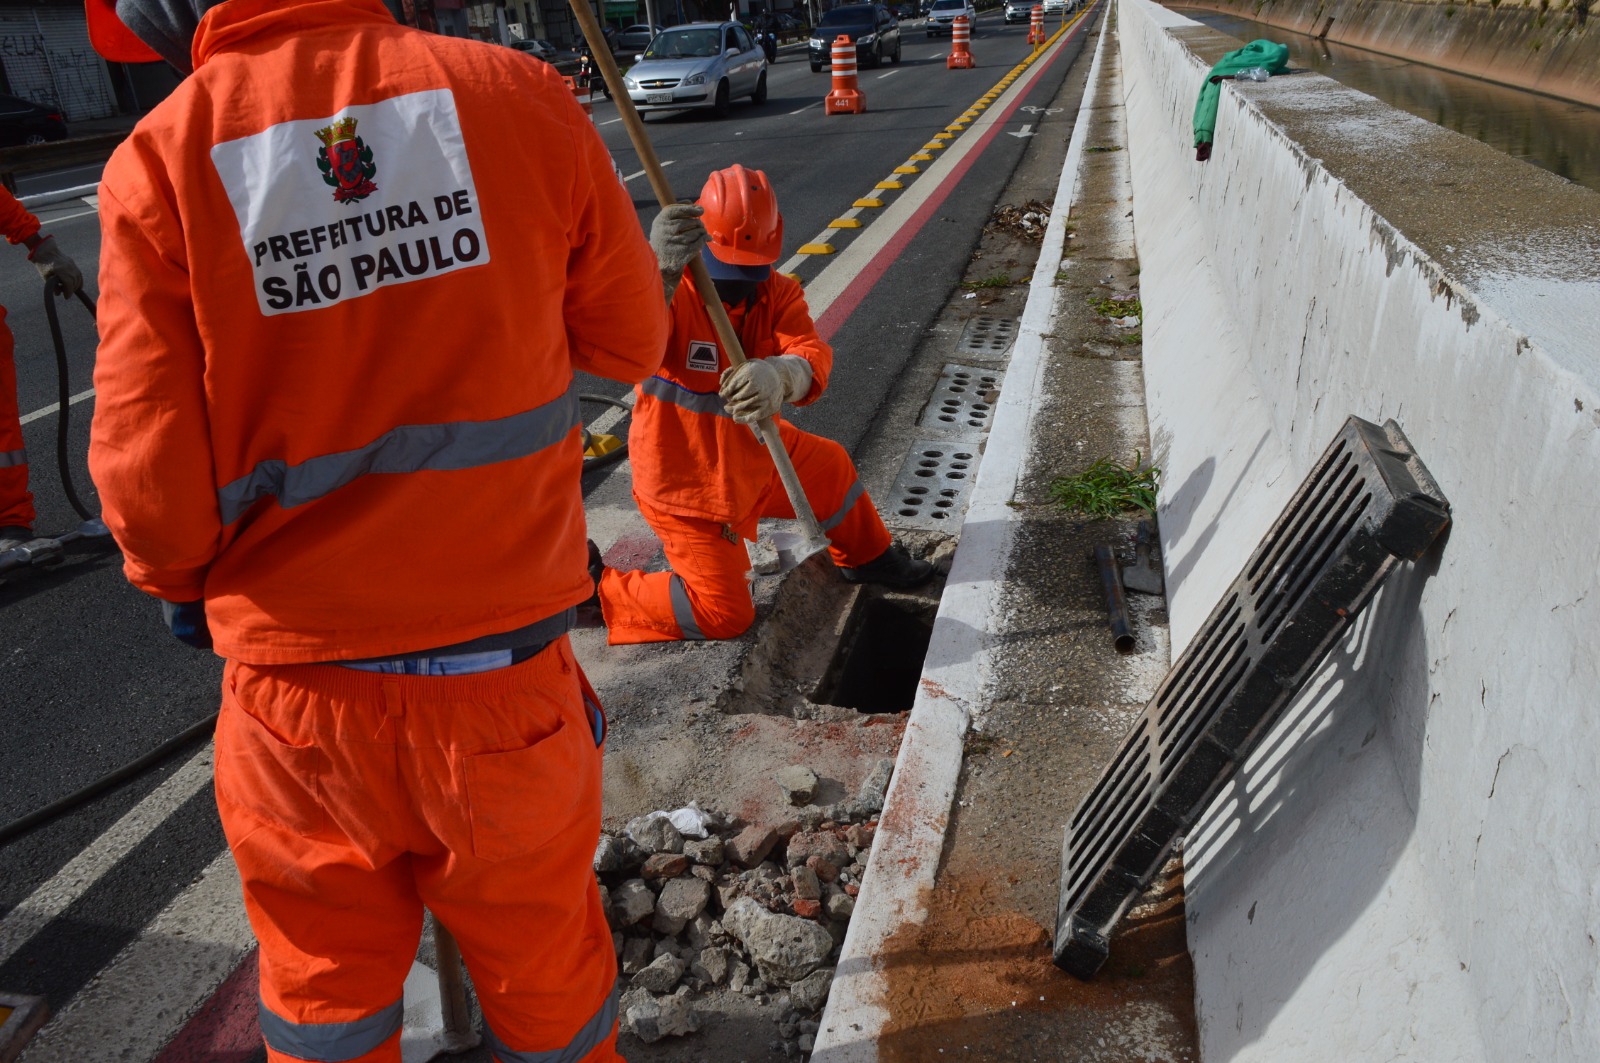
column 1274, row 57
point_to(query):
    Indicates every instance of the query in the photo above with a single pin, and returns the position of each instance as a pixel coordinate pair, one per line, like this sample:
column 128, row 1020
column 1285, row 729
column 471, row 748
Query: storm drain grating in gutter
column 963, row 403
column 988, row 337
column 1368, row 503
column 932, row 488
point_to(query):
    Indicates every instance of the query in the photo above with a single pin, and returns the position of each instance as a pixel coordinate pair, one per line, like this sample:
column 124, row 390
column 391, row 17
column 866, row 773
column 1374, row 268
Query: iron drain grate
column 988, row 337
column 963, row 403
column 1368, row 503
column 932, row 489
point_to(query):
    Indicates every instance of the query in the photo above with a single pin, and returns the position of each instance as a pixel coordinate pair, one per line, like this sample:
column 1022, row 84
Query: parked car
column 904, row 11
column 874, row 30
column 23, row 122
column 634, row 39
column 789, row 25
column 1058, row 7
column 1018, row 10
column 701, row 64
column 543, row 49
column 942, row 16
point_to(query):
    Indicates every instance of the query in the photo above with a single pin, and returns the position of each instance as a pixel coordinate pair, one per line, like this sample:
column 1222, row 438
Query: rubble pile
column 1027, row 221
column 701, row 903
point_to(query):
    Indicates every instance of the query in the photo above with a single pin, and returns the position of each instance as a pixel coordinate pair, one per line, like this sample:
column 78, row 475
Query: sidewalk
column 1024, row 699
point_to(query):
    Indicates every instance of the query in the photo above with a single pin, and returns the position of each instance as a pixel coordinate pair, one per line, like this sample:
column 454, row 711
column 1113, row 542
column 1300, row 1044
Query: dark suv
column 874, row 30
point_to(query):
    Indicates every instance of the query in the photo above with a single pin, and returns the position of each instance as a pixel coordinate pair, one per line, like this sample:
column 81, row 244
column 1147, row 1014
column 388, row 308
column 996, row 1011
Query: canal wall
column 1548, row 46
column 1408, row 868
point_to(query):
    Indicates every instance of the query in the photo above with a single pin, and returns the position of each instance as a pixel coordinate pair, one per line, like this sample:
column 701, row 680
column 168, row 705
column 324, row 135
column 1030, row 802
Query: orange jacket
column 689, row 457
column 15, row 221
column 348, row 269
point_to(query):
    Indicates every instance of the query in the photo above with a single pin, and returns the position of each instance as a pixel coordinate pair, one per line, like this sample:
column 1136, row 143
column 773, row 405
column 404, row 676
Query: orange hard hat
column 741, row 216
column 112, row 38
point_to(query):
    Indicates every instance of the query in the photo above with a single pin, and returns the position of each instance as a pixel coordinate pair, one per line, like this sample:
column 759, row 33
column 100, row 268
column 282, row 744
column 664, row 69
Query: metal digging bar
column 1368, row 504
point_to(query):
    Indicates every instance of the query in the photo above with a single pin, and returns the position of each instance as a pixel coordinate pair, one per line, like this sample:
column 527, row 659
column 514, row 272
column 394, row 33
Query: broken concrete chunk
column 636, row 955
column 811, row 992
column 660, row 974
column 710, row 852
column 652, row 1018
column 712, row 964
column 875, row 785
column 822, row 843
column 860, row 835
column 764, row 560
column 807, row 887
column 752, row 845
column 606, row 855
column 681, row 900
column 739, row 976
column 840, row 906
column 664, row 865
column 655, row 834
column 799, row 784
column 632, row 901
column 785, row 948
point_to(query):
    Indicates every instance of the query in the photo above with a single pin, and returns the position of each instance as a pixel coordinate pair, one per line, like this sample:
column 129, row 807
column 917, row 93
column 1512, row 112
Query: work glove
column 53, row 264
column 187, row 621
column 757, row 389
column 676, row 237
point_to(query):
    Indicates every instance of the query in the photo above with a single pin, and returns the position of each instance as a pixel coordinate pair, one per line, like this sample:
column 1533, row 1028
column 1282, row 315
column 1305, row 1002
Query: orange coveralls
column 16, row 502
column 348, row 270
column 702, row 480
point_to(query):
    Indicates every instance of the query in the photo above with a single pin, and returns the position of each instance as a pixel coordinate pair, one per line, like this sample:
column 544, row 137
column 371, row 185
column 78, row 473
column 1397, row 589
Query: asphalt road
column 89, row 679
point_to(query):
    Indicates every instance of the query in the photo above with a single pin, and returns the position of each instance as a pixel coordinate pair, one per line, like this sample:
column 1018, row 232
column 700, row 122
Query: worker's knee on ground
column 724, row 616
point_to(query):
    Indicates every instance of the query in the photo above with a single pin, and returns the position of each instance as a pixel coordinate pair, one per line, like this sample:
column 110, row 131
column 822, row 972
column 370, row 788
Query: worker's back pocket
column 521, row 799
column 262, row 776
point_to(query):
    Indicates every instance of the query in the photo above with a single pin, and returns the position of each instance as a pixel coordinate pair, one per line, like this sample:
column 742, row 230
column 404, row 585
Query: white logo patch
column 335, row 208
column 703, row 356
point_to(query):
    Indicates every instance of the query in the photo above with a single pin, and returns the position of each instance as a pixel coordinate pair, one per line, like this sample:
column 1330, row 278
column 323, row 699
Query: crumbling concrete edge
column 959, row 667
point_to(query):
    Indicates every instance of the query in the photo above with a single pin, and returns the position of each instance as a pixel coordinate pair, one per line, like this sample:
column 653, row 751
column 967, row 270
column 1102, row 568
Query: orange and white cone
column 1036, row 26
column 584, row 94
column 960, row 51
column 846, row 96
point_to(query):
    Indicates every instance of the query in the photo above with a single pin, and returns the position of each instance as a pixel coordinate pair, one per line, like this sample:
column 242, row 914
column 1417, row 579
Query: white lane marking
column 1027, row 131
column 85, row 869
column 611, row 121
column 606, row 421
column 641, row 173
column 46, row 411
column 890, row 74
column 145, row 995
column 807, row 107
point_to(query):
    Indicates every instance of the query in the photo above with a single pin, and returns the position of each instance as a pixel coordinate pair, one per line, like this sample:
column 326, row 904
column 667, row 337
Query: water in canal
column 1561, row 137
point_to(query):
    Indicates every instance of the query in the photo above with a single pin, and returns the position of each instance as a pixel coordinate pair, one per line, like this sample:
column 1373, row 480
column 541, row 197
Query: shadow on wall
column 1316, row 819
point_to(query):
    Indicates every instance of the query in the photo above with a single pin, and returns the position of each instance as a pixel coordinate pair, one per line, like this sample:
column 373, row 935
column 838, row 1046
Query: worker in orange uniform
column 16, row 501
column 701, row 477
column 348, row 271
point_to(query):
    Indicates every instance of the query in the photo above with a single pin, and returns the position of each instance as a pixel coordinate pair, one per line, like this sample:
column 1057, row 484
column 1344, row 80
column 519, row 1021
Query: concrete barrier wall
column 1409, row 866
column 1549, row 46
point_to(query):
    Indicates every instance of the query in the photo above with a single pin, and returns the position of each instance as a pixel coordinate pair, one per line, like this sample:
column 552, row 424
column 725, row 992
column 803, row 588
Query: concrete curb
column 958, row 669
column 60, row 195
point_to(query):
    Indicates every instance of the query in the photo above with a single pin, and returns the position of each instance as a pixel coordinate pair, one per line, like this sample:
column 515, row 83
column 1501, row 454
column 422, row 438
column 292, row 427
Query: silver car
column 702, row 64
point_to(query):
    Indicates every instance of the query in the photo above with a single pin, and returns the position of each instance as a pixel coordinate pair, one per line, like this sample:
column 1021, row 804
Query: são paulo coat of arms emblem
column 346, row 162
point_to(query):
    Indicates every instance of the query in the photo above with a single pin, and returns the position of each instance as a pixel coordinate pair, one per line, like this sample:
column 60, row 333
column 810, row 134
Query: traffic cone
column 1036, row 26
column 960, row 53
column 846, row 96
column 584, row 94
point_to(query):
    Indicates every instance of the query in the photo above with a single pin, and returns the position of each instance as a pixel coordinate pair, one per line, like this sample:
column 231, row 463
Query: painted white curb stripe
column 957, row 671
column 74, row 880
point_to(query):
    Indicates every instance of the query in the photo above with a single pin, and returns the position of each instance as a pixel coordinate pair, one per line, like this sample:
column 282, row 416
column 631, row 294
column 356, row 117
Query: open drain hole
column 879, row 661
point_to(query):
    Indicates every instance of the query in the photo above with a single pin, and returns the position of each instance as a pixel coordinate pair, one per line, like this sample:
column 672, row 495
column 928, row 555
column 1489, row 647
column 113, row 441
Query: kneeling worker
column 702, row 478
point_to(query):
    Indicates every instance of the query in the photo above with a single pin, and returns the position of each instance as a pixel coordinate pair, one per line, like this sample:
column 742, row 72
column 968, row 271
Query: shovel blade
column 794, row 549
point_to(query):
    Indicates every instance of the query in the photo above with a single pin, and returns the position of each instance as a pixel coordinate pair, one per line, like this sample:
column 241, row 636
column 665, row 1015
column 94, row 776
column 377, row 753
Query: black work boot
column 597, row 568
column 894, row 568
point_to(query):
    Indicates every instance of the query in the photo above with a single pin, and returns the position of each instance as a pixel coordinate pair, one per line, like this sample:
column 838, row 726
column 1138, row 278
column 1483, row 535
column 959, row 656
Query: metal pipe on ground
column 1116, row 601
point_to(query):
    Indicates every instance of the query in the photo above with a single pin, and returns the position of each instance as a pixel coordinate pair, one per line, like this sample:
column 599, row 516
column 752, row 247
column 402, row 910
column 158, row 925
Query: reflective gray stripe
column 329, row 1042
column 851, row 497
column 681, row 610
column 408, row 448
column 693, row 401
column 583, row 1042
column 9, row 458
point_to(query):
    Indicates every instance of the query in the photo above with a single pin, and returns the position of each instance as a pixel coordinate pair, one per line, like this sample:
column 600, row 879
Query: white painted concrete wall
column 1409, row 867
